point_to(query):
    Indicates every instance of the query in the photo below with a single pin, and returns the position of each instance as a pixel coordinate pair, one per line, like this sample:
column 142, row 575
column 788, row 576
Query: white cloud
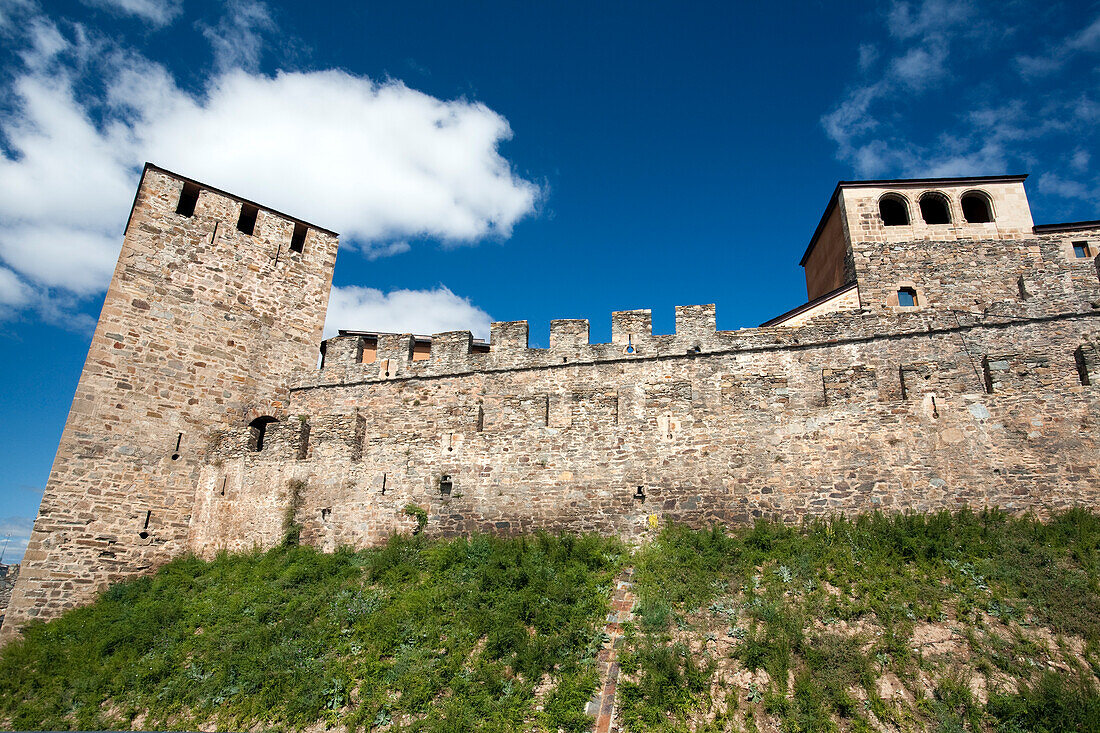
column 1080, row 160
column 155, row 12
column 15, row 533
column 379, row 162
column 404, row 311
column 1086, row 40
column 942, row 69
column 12, row 9
column 72, row 259
column 237, row 39
column 387, row 249
column 13, row 292
column 921, row 67
column 868, row 56
column 929, row 17
column 1051, row 183
column 851, row 117
column 375, row 161
column 1033, row 67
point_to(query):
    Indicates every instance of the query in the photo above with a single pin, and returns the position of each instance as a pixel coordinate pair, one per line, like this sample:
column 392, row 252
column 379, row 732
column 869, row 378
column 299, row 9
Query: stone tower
column 214, row 301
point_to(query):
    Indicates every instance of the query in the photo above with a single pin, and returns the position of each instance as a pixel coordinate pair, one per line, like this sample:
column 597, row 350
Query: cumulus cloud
column 379, row 162
column 404, row 311
column 155, row 12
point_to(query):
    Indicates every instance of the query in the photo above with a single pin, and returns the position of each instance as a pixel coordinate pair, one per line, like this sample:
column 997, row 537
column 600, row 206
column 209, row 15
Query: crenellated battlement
column 1047, row 283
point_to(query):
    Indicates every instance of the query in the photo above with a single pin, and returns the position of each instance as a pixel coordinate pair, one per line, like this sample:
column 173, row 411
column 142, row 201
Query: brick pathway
column 602, row 706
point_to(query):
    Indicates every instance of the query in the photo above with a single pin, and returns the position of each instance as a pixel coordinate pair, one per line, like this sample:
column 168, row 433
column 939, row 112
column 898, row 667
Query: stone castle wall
column 986, row 392
column 919, row 410
column 199, row 329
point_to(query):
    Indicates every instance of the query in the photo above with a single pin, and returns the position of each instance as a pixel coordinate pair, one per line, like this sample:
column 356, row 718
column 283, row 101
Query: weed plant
column 499, row 634
column 827, row 608
column 423, row 635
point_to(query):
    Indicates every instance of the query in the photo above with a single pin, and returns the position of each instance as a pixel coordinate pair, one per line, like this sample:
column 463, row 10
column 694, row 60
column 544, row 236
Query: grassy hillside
column 940, row 622
column 439, row 635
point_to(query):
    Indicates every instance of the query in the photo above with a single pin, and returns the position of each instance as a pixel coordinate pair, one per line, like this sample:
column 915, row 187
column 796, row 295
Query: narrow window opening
column 189, row 196
column 176, row 453
column 324, row 348
column 894, row 211
column 298, row 241
column 303, row 441
column 907, row 297
column 639, row 494
column 246, row 222
column 1082, row 366
column 987, row 375
column 480, row 418
column 144, row 533
column 359, row 437
column 224, row 480
column 934, row 209
column 1024, row 295
column 976, row 208
column 326, row 513
column 1080, row 250
column 445, row 484
column 257, row 432
column 383, row 484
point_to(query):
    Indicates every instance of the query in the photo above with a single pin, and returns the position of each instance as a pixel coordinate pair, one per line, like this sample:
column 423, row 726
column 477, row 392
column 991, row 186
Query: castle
column 949, row 355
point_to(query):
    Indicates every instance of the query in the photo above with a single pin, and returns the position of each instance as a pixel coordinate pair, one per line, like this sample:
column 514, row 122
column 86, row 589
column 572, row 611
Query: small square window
column 907, row 297
column 189, row 196
column 1080, row 250
column 246, row 222
column 298, row 239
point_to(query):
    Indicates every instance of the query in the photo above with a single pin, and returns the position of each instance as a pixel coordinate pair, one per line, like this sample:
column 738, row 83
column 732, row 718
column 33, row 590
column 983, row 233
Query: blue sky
column 504, row 161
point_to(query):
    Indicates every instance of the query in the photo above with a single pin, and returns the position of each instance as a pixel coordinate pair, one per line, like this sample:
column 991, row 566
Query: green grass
column 444, row 635
column 752, row 628
column 825, row 609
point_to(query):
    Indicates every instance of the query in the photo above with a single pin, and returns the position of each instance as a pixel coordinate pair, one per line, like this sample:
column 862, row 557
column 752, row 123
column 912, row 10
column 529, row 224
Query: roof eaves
column 808, row 305
column 1068, row 226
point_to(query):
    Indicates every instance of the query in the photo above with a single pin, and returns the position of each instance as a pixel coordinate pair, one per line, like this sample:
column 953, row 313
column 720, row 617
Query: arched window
column 934, row 209
column 907, row 297
column 977, row 208
column 894, row 210
column 257, row 430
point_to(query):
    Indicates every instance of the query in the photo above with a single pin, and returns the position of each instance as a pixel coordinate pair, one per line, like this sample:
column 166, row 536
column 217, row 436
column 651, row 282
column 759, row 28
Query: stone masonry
column 200, row 329
column 936, row 365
